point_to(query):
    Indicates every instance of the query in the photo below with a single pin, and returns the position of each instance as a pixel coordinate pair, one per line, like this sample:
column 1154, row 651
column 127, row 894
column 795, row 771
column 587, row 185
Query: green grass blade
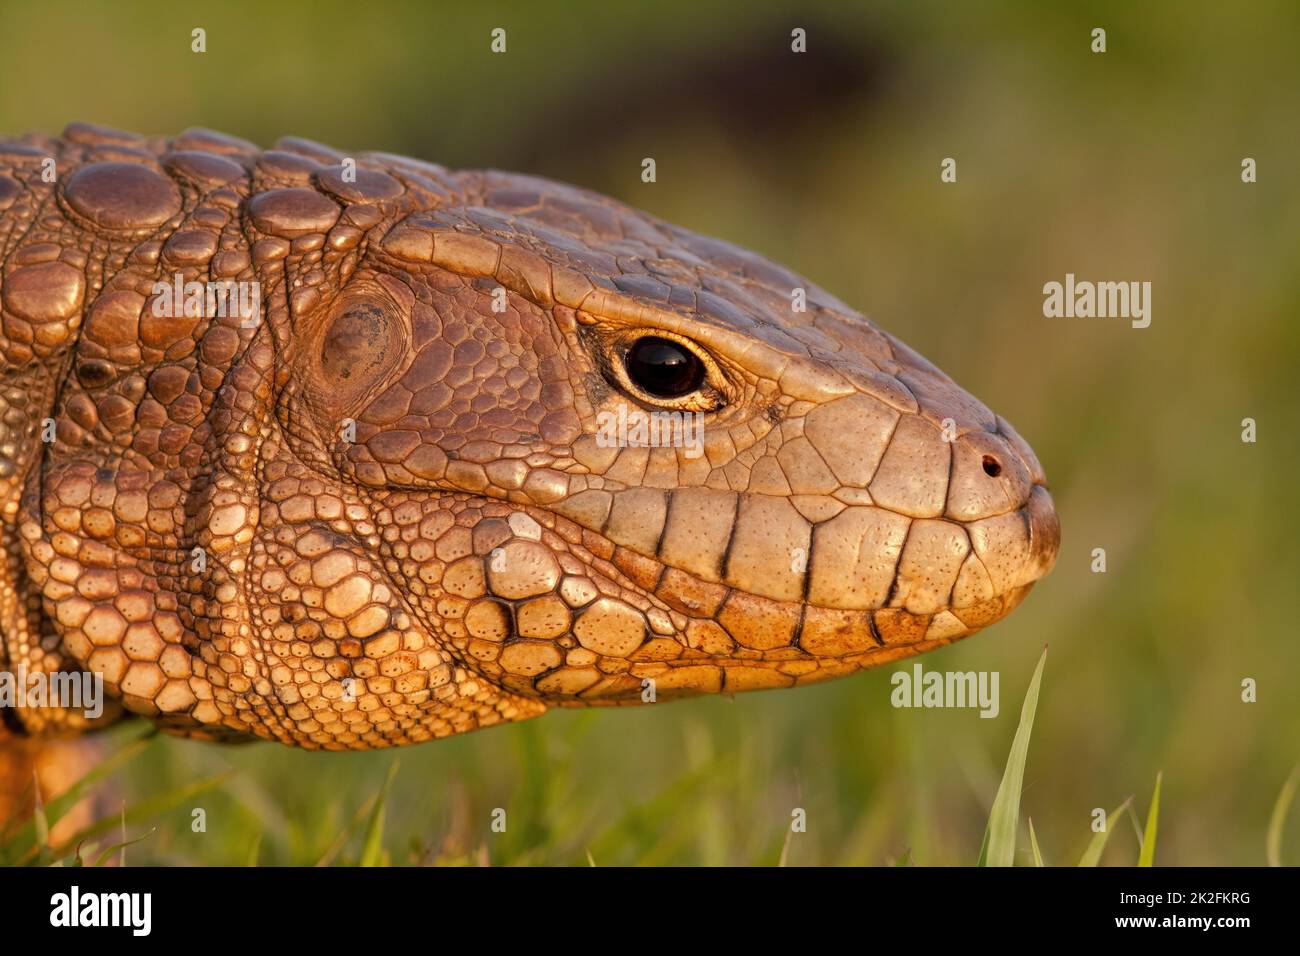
column 39, row 819
column 999, row 848
column 1148, row 855
column 1033, row 844
column 121, row 847
column 1137, row 826
column 1278, row 818
column 77, row 858
column 1092, row 853
column 372, row 848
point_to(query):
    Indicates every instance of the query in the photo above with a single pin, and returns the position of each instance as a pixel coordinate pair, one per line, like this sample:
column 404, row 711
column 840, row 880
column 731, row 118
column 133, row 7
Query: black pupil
column 663, row 368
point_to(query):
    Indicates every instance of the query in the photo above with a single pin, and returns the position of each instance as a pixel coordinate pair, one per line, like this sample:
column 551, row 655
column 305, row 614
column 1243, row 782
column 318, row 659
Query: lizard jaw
column 559, row 613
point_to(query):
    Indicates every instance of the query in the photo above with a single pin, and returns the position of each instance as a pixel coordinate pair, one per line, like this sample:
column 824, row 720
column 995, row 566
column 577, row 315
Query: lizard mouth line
column 763, row 628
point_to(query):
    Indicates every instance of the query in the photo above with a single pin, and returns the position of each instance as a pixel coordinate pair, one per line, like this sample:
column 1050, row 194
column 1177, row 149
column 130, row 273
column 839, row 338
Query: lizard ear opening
column 360, row 343
column 355, row 344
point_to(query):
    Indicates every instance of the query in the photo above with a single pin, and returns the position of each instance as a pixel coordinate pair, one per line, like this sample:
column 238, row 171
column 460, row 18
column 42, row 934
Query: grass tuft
column 1277, row 819
column 1092, row 853
column 1147, row 856
column 999, row 847
column 372, row 849
column 1033, row 844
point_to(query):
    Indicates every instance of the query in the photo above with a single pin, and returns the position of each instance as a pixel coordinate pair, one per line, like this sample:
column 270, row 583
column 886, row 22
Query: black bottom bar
column 338, row 905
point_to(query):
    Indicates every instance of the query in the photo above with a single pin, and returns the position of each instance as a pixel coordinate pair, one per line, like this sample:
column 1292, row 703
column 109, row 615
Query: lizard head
column 489, row 445
column 595, row 458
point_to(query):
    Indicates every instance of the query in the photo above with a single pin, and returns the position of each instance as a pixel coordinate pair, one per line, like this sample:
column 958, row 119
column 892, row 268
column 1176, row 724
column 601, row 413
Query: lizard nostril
column 992, row 467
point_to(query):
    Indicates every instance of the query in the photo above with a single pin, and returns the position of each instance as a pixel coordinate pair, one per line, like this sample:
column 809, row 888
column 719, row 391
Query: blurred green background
column 1120, row 166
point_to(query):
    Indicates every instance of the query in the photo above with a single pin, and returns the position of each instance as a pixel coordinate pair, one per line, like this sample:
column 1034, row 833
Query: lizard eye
column 663, row 368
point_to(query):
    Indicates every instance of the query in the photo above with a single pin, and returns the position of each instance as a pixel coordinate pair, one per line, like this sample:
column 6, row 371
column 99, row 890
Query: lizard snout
column 998, row 492
column 1044, row 535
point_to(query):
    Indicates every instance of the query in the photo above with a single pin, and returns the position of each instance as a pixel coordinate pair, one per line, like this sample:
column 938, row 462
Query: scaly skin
column 474, row 554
